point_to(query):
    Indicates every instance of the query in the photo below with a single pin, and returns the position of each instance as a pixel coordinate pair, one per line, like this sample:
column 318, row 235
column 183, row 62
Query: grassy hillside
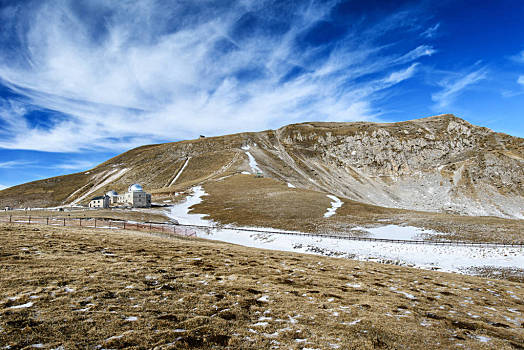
column 85, row 289
column 437, row 164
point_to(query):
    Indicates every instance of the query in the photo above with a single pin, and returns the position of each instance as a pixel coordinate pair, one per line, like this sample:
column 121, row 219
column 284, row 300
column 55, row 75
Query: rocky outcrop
column 440, row 163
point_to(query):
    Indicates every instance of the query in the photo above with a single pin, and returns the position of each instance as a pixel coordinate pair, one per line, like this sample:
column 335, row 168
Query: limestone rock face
column 440, row 163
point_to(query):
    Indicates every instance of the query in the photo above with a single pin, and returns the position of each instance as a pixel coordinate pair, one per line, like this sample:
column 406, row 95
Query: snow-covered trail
column 438, row 257
column 180, row 172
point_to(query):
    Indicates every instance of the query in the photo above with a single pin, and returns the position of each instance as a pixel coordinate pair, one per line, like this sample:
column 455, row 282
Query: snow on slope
column 110, row 177
column 180, row 172
column 180, row 211
column 252, row 162
column 337, row 203
column 444, row 258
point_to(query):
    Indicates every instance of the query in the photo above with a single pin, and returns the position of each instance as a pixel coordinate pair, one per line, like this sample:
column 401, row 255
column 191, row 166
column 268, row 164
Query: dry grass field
column 103, row 289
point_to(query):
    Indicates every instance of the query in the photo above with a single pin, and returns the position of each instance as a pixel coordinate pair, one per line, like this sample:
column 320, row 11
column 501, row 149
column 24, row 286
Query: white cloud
column 520, row 80
column 452, row 87
column 13, row 164
column 420, row 51
column 140, row 76
column 75, row 165
column 518, row 57
column 2, row 187
column 431, row 31
column 397, row 77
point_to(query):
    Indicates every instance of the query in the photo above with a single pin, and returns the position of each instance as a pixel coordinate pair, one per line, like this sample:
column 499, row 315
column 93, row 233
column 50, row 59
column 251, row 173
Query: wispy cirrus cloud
column 121, row 74
column 520, row 80
column 75, row 165
column 14, row 164
column 453, row 86
column 519, row 57
column 431, row 31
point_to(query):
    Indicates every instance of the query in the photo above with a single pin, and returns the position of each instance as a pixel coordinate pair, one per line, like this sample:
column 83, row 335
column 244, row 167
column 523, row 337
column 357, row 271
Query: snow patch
column 253, row 163
column 335, row 204
column 180, row 211
column 180, row 172
column 23, row 306
column 264, row 299
column 396, row 232
column 290, row 185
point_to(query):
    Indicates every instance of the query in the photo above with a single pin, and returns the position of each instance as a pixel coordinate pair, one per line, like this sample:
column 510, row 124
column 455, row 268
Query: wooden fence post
column 124, row 225
column 64, row 221
column 47, row 221
column 9, row 218
column 29, row 220
column 149, row 227
column 80, row 221
column 109, row 223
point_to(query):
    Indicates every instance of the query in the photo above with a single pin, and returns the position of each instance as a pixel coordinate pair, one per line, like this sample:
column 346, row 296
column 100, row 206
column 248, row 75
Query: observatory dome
column 135, row 188
column 112, row 193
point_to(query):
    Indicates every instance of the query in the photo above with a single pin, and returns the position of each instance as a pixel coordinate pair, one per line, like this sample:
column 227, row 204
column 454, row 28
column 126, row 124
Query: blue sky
column 81, row 81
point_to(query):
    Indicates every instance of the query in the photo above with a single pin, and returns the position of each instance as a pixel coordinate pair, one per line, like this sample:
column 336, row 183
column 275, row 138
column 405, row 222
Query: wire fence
column 194, row 230
column 102, row 223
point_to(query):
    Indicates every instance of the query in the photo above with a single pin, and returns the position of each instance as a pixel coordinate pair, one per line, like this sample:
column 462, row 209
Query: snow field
column 434, row 257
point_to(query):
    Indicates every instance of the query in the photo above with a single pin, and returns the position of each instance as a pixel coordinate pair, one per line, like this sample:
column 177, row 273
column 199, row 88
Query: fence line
column 190, row 230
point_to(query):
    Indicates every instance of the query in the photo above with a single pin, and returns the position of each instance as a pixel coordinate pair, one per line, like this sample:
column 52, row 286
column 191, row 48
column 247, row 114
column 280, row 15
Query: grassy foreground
column 81, row 288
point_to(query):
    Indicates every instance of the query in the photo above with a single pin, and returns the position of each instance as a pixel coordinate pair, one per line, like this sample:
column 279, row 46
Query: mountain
column 435, row 164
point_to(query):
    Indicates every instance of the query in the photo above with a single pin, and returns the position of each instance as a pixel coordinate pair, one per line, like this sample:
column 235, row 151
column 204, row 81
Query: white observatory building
column 135, row 197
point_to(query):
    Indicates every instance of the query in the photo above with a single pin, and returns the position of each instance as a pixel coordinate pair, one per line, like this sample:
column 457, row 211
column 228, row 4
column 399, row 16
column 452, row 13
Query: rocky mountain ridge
column 439, row 163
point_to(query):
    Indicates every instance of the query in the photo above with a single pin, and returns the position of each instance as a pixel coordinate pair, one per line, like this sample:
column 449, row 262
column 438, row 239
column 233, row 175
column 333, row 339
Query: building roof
column 135, row 188
column 97, row 198
column 112, row 193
